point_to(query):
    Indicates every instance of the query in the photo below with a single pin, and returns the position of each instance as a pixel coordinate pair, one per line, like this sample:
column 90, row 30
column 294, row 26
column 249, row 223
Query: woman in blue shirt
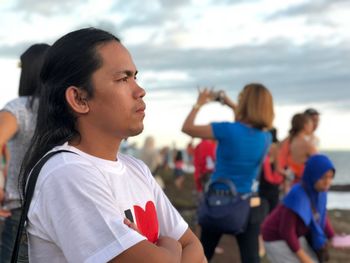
column 242, row 144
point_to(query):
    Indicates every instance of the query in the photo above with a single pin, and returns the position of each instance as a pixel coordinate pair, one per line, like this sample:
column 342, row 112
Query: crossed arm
column 185, row 250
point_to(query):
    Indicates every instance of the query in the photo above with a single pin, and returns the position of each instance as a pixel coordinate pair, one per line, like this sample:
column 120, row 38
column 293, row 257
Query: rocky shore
column 340, row 188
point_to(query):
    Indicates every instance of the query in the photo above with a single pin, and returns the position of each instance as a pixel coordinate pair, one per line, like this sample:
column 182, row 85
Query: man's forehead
column 116, row 58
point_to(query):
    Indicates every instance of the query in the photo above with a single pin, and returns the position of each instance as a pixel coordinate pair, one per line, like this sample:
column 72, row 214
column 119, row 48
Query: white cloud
column 10, row 75
column 298, row 48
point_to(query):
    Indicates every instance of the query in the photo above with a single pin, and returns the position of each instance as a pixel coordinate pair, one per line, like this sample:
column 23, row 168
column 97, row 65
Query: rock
column 340, row 188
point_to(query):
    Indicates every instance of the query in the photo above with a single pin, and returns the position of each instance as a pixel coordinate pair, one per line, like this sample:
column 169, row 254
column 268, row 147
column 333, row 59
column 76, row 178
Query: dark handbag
column 27, row 199
column 224, row 211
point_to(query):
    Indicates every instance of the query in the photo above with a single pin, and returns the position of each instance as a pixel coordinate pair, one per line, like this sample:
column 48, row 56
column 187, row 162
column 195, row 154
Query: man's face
column 117, row 109
column 309, row 126
column 315, row 119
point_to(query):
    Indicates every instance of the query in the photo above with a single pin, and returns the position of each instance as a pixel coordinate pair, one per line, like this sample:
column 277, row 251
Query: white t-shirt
column 18, row 145
column 80, row 202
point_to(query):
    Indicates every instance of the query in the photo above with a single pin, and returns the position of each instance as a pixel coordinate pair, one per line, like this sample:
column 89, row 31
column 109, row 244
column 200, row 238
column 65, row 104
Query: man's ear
column 77, row 99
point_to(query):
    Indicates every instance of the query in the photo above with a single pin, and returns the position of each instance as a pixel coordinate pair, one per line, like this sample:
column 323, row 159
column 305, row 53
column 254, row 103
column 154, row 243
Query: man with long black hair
column 90, row 103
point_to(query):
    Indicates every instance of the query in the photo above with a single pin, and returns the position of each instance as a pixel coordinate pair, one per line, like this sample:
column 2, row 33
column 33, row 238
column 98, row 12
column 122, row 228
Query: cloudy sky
column 299, row 49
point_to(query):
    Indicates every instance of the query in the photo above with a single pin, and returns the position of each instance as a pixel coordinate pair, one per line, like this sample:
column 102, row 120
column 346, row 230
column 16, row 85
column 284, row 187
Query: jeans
column 248, row 241
column 8, row 238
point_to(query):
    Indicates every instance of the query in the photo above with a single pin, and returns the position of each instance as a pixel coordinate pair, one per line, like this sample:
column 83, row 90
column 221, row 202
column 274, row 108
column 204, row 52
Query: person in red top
column 302, row 218
column 204, row 162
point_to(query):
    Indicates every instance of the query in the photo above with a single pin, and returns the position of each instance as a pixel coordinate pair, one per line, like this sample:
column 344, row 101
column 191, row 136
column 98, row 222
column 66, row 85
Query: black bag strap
column 28, row 198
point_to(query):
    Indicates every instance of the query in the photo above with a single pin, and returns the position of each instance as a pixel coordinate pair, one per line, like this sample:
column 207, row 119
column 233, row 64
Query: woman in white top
column 17, row 124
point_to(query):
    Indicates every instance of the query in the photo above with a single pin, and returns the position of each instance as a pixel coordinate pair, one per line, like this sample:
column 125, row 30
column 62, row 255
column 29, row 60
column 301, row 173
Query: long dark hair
column 71, row 61
column 31, row 63
column 298, row 122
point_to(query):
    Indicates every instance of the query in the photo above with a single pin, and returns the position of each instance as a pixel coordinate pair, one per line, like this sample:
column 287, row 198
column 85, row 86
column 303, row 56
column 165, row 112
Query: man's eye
column 125, row 79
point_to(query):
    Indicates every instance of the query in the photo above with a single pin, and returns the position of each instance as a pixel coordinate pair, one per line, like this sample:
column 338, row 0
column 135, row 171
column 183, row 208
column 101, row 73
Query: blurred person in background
column 315, row 117
column 295, row 150
column 241, row 147
column 204, row 163
column 165, row 158
column 150, row 155
column 190, row 152
column 179, row 172
column 298, row 230
column 17, row 124
column 270, row 179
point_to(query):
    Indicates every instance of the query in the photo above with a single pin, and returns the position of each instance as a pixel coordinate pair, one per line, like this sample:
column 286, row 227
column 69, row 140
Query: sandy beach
column 185, row 201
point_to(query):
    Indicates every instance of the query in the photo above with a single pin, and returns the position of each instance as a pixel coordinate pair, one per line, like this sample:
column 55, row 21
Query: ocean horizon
column 338, row 200
column 341, row 161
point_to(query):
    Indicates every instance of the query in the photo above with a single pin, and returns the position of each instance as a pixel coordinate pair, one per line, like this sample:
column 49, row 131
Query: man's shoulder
column 68, row 160
column 63, row 160
column 129, row 160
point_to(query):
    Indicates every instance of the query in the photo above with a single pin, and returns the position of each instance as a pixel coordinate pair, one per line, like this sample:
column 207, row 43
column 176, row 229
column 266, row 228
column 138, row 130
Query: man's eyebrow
column 129, row 73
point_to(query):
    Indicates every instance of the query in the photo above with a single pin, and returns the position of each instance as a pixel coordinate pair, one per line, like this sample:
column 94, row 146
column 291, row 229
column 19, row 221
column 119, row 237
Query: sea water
column 341, row 160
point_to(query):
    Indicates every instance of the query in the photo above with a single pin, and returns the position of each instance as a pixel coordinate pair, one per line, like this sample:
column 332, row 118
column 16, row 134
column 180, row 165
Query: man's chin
column 136, row 131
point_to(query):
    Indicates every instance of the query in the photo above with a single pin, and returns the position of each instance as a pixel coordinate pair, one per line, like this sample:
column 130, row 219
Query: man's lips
column 141, row 108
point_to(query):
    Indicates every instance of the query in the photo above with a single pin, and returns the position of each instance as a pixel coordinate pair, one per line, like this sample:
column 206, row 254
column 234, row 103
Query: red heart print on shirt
column 147, row 221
